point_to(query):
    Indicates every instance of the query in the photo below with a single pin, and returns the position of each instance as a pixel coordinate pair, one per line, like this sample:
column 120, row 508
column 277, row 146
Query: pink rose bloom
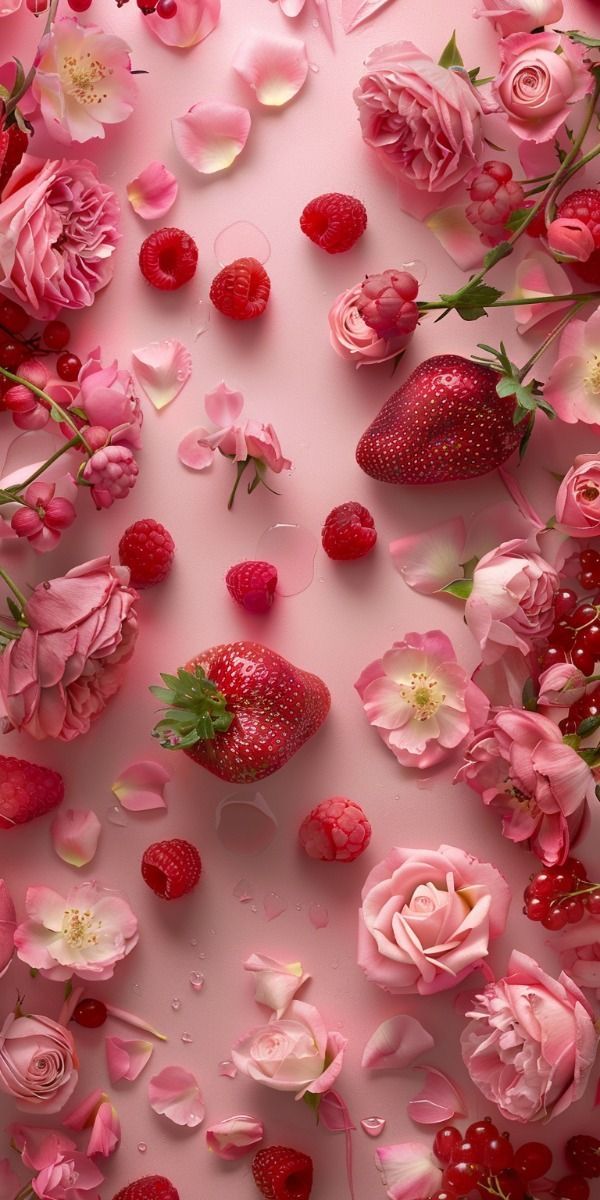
column 520, row 16
column 512, row 600
column 541, row 76
column 83, row 81
column 560, row 686
column 427, row 918
column 108, row 398
column 38, row 1063
column 356, row 341
column 573, row 387
column 85, row 933
column 58, row 230
column 374, row 321
column 570, row 240
column 422, row 703
column 423, row 120
column 579, row 950
column 65, row 666
column 72, row 1176
column 520, row 765
column 294, row 1053
column 531, row 1042
column 251, row 440
column 578, row 499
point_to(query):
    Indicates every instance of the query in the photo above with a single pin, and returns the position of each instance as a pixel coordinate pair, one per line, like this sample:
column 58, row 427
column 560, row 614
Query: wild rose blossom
column 578, row 499
column 512, row 600
column 541, row 76
column 294, row 1053
column 85, row 933
column 520, row 16
column 38, row 1063
column 573, row 386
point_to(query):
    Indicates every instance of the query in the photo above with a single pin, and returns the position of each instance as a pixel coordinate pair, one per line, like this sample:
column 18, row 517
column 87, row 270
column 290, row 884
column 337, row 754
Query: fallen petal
column 457, row 236
column 396, row 1044
column 153, row 192
column 175, row 1094
column 428, row 561
column 8, row 924
column 354, row 12
column 163, row 369
column 106, row 1131
column 408, row 1170
column 82, row 1116
column 235, row 1136
column 292, row 8
column 438, row 1101
column 193, row 450
column 334, row 1114
column 538, row 275
column 275, row 983
column 211, row 135
column 75, row 835
column 193, row 21
column 223, row 406
column 141, row 786
column 275, row 67
column 126, row 1057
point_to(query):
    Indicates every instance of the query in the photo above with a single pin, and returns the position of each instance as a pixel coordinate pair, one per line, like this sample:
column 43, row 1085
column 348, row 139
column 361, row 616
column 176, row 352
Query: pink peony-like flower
column 111, row 472
column 541, row 76
column 427, row 918
column 292, row 1054
column 72, row 1176
column 108, row 398
column 45, row 518
column 577, row 506
column 59, row 226
column 85, row 933
column 520, row 765
column 573, row 386
column 68, row 662
column 512, row 599
column 421, row 701
column 38, row 1063
column 82, row 81
column 387, row 303
column 531, row 1042
column 570, row 240
column 520, row 16
column 423, row 120
column 579, row 949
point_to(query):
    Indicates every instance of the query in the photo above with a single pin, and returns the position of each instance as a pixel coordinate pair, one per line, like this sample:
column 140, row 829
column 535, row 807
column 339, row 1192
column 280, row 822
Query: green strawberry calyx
column 195, row 710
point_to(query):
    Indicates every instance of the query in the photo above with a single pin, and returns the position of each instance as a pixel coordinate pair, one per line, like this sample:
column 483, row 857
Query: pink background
column 349, row 615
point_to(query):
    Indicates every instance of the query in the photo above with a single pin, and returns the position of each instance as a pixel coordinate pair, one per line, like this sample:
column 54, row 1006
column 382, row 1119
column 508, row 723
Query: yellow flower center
column 423, row 694
column 77, row 928
column 83, row 76
column 592, row 376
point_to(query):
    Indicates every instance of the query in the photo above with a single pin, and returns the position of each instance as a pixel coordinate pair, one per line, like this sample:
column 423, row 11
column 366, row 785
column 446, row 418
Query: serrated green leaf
column 472, row 300
column 496, row 254
column 461, row 588
column 451, row 56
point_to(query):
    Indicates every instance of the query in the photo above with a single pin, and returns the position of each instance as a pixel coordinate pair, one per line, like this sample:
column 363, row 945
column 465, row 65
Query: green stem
column 554, row 333
column 10, row 583
column 241, row 467
column 52, row 404
column 580, row 297
column 30, row 76
column 11, row 499
column 582, row 162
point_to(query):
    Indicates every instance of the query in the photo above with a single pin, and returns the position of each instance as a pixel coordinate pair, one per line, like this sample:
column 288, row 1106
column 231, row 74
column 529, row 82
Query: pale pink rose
column 423, row 120
column 108, row 398
column 72, row 1176
column 577, row 506
column 560, row 686
column 421, row 701
column 520, row 16
column 85, row 933
column 579, row 949
column 45, row 517
column 390, row 324
column 38, row 1063
column 68, row 662
column 82, row 81
column 573, row 386
column 531, row 1042
column 292, row 1054
column 59, row 226
column 427, row 918
column 520, row 765
column 541, row 76
column 570, row 240
column 512, row 599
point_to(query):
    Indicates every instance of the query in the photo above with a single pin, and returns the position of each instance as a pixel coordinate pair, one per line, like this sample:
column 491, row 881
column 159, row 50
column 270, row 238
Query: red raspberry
column 494, row 196
column 337, row 829
column 349, row 531
column 147, row 548
column 27, row 791
column 171, row 868
column 252, row 584
column 283, row 1174
column 334, row 221
column 241, row 290
column 168, row 259
column 584, row 205
column 150, row 1187
column 13, row 144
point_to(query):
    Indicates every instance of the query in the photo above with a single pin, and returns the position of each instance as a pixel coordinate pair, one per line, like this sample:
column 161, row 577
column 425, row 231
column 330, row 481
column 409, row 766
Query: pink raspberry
column 337, row 829
column 111, row 472
column 387, row 303
column 494, row 196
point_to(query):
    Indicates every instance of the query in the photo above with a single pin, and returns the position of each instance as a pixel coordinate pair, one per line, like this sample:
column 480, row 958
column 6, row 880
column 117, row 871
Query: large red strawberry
column 240, row 710
column 445, row 422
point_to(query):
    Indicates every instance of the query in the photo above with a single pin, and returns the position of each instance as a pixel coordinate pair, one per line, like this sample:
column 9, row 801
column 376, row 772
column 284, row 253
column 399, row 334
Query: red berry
column 349, row 531
column 167, row 9
column 582, row 1153
column 150, row 1187
column 536, row 227
column 511, row 1185
column 147, row 548
column 592, row 902
column 533, row 1159
column 571, row 1187
column 460, row 1177
column 12, row 316
column 556, row 918
column 447, row 1143
column 543, row 884
column 554, row 654
column 498, row 1154
column 445, row 1194
column 168, row 258
column 145, row 6
column 481, row 1133
column 576, row 868
column 564, row 602
column 252, row 585
column 90, row 1013
column 536, row 908
column 468, row 1153
column 334, row 221
column 581, row 657
column 68, row 367
column 574, row 909
column 13, row 144
column 171, row 868
column 281, row 1173
column 584, row 205
column 336, row 829
column 582, row 615
column 27, row 791
column 80, row 5
column 241, row 290
column 12, row 354
column 56, row 335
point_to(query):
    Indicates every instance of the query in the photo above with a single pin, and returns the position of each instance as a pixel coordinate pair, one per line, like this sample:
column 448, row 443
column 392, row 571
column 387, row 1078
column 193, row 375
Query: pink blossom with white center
column 573, row 386
column 83, row 81
column 85, row 933
column 107, row 396
column 45, row 518
column 111, row 473
column 421, row 701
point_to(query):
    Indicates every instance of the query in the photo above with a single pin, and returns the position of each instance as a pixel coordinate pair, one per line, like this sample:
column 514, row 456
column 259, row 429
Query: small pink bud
column 570, row 240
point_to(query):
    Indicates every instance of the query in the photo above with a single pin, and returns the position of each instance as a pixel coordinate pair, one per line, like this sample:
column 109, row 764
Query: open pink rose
column 82, row 81
column 423, row 120
column 38, row 1063
column 107, row 397
column 72, row 1176
column 294, row 1053
column 512, row 600
column 573, row 386
column 374, row 321
column 520, row 765
column 541, row 76
column 85, row 933
column 520, row 16
column 531, row 1042
column 578, row 500
column 579, row 949
column 427, row 918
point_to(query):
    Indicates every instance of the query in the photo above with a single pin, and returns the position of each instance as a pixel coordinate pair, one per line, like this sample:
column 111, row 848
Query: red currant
column 537, row 908
column 582, row 1153
column 564, row 880
column 533, row 1159
column 480, row 1133
column 587, row 579
column 12, row 316
column 556, row 919
column 576, row 868
column 12, row 354
column 592, row 636
column 572, row 1187
column 468, row 1153
column 511, row 1185
column 36, row 6
column 569, row 725
column 562, row 633
column 68, row 367
column 446, row 1143
column 90, row 1013
column 564, row 602
column 582, row 615
column 574, row 909
column 592, row 902
column 460, row 1177
column 166, row 9
column 498, row 1154
column 56, row 334
column 582, row 657
column 543, row 884
column 445, row 1194
column 553, row 655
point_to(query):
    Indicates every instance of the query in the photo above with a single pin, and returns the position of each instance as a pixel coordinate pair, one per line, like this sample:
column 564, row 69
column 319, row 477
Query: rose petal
column 211, row 135
column 524, row 506
column 126, row 1057
column 75, row 835
column 153, row 192
column 193, row 21
column 408, row 1171
column 354, row 12
column 457, row 236
column 8, row 924
column 235, row 1136
column 438, row 1101
column 223, row 406
column 141, row 786
column 9, row 1181
column 275, row 983
column 175, row 1094
column 334, row 1114
column 538, row 275
column 291, row 8
column 428, row 561
column 38, row 1147
column 275, row 67
column 322, row 7
column 396, row 1044
column 105, row 1135
column 193, row 450
column 163, row 369
column 82, row 1116
column 26, row 453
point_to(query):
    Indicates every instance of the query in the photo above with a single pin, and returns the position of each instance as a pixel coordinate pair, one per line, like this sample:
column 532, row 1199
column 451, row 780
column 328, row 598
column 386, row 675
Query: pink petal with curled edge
column 82, row 1116
column 174, row 1093
column 355, row 12
column 194, row 450
column 292, row 8
column 538, row 275
column 141, row 786
column 275, row 67
column 163, row 369
column 438, row 1101
column 396, row 1044
column 428, row 561
column 223, row 406
column 457, row 236
column 408, row 1171
column 75, row 835
column 193, row 21
column 334, row 1114
column 275, row 983
column 153, row 192
column 105, row 1135
column 211, row 135
column 126, row 1057
column 235, row 1136
column 9, row 1181
column 8, row 924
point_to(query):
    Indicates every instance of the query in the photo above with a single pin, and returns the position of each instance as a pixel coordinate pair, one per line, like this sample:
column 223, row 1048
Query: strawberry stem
column 195, row 710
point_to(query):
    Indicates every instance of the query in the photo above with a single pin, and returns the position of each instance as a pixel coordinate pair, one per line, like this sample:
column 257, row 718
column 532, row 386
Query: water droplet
column 299, row 907
column 335, row 963
column 243, row 891
column 373, row 1126
column 193, row 941
column 137, row 987
column 203, row 319
column 117, row 816
column 227, row 1068
column 212, row 932
column 425, row 782
column 416, row 268
column 245, row 824
column 187, row 1039
column 175, row 1003
column 318, row 916
column 243, row 239
column 197, row 980
column 274, row 905
column 253, row 908
column 292, row 549
column 315, row 23
column 314, row 67
column 202, row 954
column 142, row 1147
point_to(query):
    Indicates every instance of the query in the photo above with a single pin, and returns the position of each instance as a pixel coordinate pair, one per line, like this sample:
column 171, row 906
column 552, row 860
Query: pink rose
column 578, row 499
column 573, row 386
column 520, row 765
column 294, row 1053
column 427, row 918
column 374, row 321
column 72, row 1176
column 531, row 1042
column 58, row 231
column 423, row 120
column 561, row 685
column 512, row 599
column 260, row 443
column 579, row 950
column 38, row 1063
column 68, row 662
column 85, row 933
column 541, row 76
column 520, row 16
column 570, row 240
column 107, row 397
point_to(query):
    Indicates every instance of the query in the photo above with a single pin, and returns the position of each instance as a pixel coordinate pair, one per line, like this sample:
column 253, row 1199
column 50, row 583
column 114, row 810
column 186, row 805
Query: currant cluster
column 163, row 8
column 559, row 896
column 16, row 348
column 575, row 635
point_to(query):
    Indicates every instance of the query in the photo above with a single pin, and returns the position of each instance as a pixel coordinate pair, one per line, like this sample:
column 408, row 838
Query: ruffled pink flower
column 71, row 1177
column 579, row 950
column 59, row 226
column 38, row 1063
column 531, row 1042
column 292, row 1054
column 427, row 918
column 108, row 398
column 62, row 671
column 577, row 506
column 570, row 240
column 82, row 81
column 85, row 933
column 111, row 472
column 573, row 387
column 541, row 787
column 541, row 76
column 512, row 600
column 421, row 701
column 520, row 16
column 45, row 518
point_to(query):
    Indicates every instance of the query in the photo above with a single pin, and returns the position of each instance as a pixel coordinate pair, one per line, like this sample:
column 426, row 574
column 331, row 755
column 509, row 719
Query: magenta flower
column 108, row 398
column 85, row 933
column 45, row 518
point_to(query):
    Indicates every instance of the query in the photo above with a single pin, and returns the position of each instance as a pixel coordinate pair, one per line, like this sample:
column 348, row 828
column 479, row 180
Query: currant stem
column 53, row 405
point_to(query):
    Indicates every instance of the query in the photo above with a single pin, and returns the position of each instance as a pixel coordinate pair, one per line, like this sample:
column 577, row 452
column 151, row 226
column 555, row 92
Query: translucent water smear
column 242, row 239
column 227, row 1068
column 318, row 916
column 373, row 1126
column 245, row 824
column 274, row 905
column 292, row 549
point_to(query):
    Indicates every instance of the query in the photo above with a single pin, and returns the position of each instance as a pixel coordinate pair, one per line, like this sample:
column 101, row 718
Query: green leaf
column 517, row 218
column 587, row 726
column 471, row 301
column 496, row 254
column 583, row 39
column 475, row 80
column 312, row 1100
column 461, row 588
column 529, row 696
column 590, row 756
column 571, row 739
column 13, row 608
column 451, row 56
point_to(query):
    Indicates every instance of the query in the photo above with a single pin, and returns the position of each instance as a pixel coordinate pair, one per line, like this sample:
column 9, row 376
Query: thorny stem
column 52, row 405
